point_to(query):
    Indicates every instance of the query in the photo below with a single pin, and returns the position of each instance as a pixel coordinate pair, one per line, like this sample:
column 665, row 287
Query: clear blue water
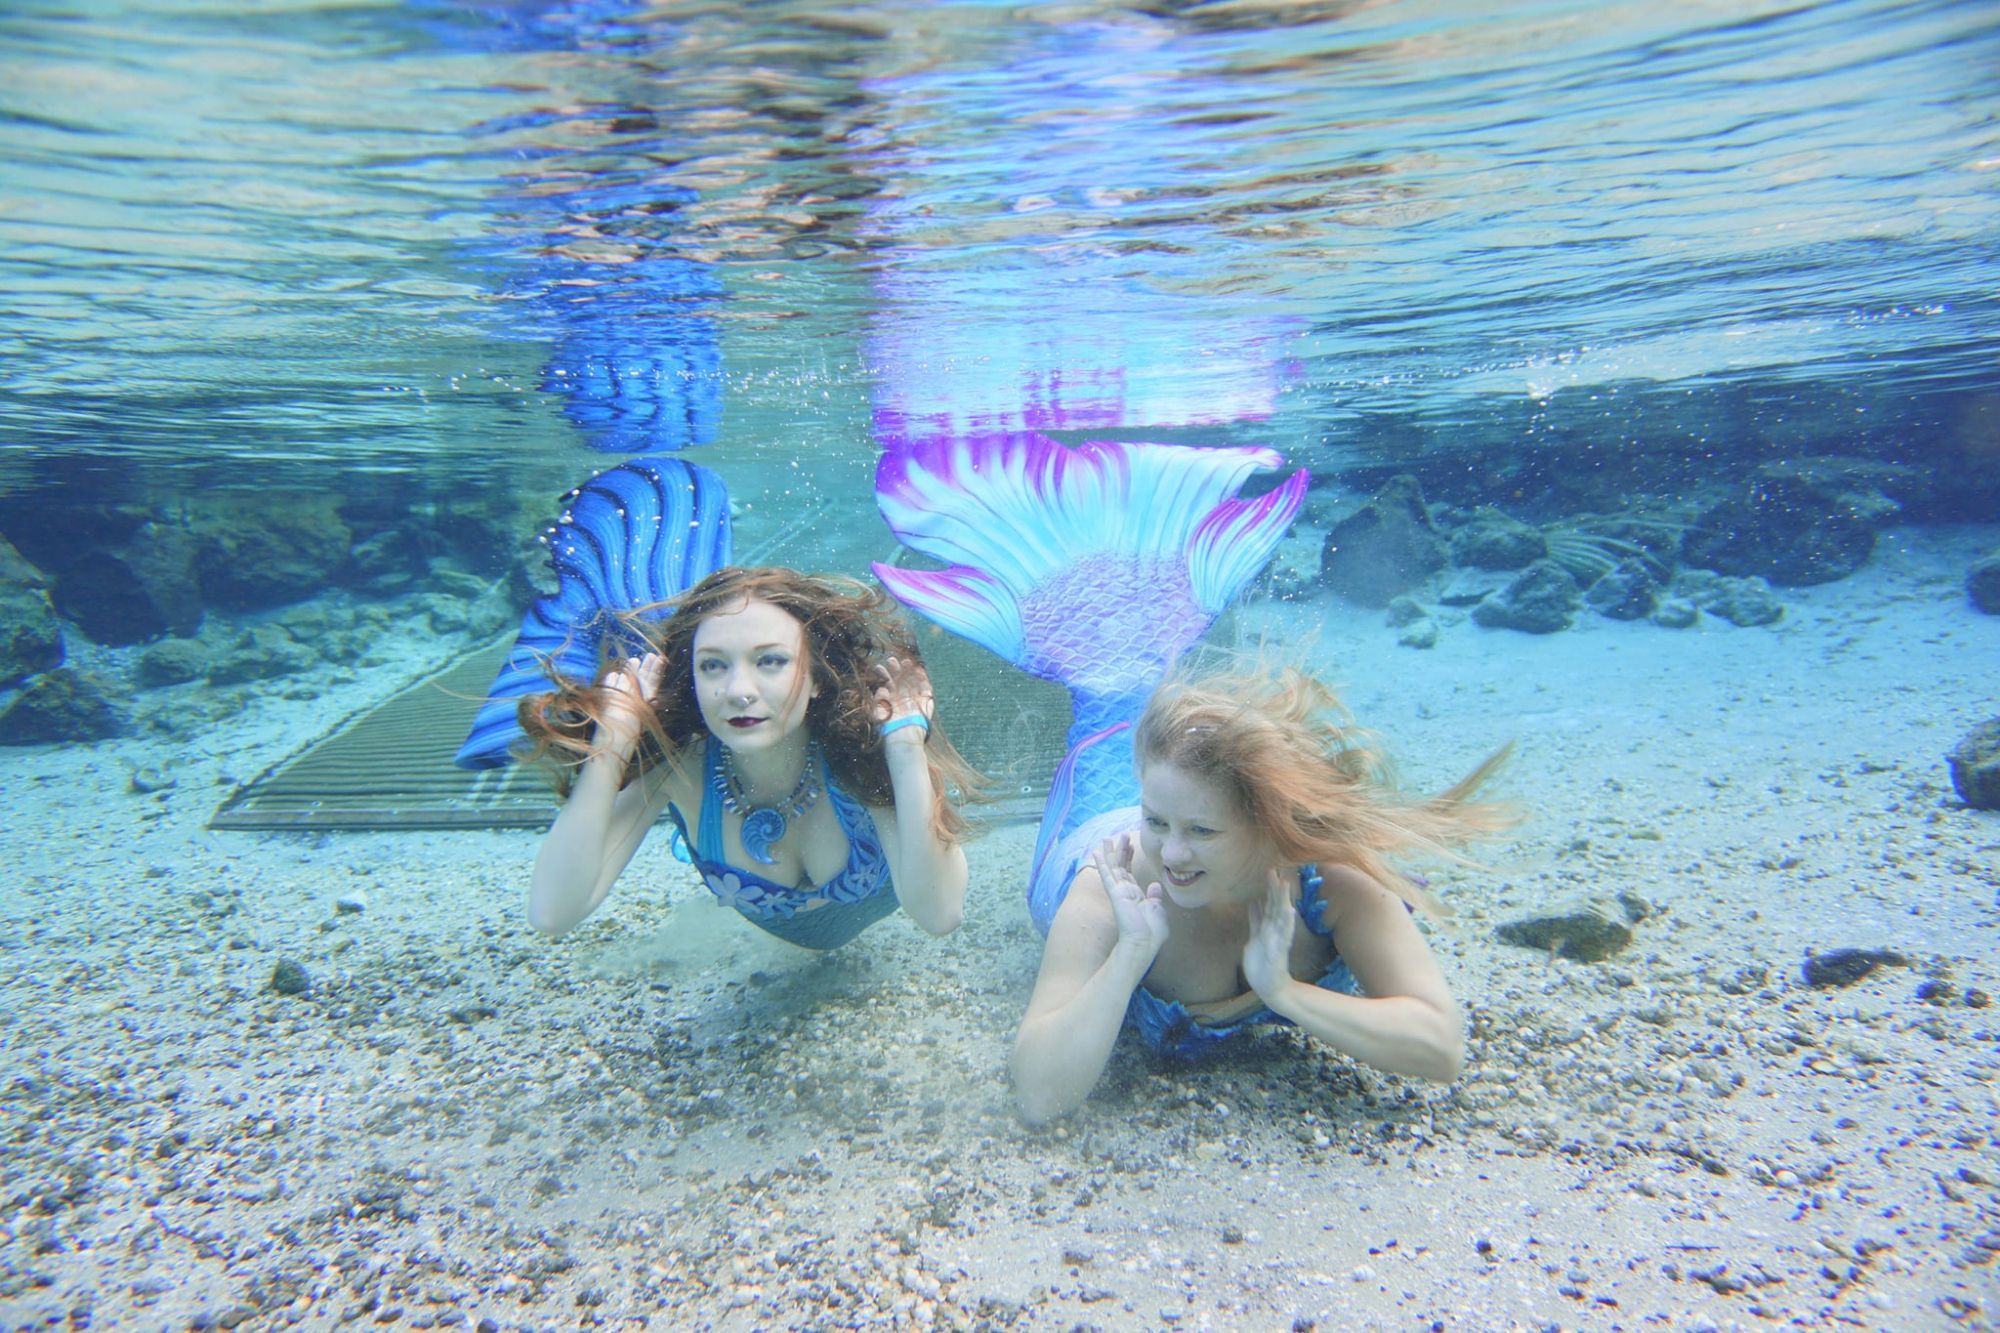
column 299, row 241
column 439, row 262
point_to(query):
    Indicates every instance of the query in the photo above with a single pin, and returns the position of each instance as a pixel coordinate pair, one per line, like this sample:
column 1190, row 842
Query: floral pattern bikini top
column 815, row 916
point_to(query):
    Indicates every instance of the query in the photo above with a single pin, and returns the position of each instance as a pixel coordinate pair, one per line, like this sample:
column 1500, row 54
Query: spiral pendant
column 762, row 828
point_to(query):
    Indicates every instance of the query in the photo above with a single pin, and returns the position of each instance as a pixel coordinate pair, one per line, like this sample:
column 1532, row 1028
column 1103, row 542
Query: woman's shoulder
column 1343, row 887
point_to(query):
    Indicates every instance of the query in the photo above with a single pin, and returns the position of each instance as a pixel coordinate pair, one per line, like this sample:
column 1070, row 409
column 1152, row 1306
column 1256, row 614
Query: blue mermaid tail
column 1095, row 567
column 637, row 534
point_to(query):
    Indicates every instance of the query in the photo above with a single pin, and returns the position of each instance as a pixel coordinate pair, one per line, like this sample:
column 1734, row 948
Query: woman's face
column 751, row 677
column 1206, row 848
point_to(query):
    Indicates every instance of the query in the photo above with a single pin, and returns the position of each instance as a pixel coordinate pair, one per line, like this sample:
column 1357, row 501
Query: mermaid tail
column 1095, row 567
column 638, row 534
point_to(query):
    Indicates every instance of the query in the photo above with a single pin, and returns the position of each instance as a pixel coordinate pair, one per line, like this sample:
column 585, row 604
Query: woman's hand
column 1267, row 954
column 629, row 692
column 905, row 691
column 1141, row 912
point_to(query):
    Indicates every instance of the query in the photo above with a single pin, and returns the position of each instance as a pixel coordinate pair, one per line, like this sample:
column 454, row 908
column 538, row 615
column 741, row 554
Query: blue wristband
column 913, row 720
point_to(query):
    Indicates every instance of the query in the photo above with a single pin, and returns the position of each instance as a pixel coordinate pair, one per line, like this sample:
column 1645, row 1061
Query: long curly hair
column 850, row 628
column 1280, row 744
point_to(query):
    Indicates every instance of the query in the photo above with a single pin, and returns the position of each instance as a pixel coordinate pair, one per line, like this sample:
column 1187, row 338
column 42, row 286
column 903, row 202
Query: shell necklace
column 764, row 825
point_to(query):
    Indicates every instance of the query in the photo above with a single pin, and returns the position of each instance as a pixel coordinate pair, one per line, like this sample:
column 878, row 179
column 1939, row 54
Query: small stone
column 1419, row 634
column 1585, row 934
column 1844, row 967
column 1232, row 1235
column 1675, row 613
column 351, row 903
column 1975, row 766
column 289, row 978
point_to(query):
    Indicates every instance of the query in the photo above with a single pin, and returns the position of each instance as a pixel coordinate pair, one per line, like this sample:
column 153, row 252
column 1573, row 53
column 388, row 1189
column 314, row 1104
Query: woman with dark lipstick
column 784, row 723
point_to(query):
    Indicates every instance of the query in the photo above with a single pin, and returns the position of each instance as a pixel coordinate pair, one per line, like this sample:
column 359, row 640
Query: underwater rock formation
column 1629, row 592
column 1541, row 600
column 1975, row 766
column 1490, row 539
column 60, row 706
column 1386, row 547
column 30, row 634
column 1791, row 528
column 264, row 551
column 1982, row 584
column 1743, row 602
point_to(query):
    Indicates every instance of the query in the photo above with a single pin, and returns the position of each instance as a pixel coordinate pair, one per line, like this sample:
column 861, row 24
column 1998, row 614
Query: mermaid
column 1196, row 823
column 783, row 722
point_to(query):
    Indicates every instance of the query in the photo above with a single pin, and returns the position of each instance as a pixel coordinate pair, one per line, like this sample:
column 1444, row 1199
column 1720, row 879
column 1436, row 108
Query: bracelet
column 913, row 720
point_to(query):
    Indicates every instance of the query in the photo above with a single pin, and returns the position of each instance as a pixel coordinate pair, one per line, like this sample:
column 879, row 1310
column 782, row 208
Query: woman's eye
column 708, row 666
column 1154, row 821
column 773, row 662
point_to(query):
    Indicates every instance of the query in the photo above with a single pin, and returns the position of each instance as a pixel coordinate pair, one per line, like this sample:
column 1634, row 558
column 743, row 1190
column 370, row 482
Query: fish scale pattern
column 632, row 536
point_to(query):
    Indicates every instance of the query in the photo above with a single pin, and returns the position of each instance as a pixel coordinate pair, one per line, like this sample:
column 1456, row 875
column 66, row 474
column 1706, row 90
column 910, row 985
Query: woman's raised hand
column 1141, row 912
column 629, row 693
column 905, row 692
column 1267, row 954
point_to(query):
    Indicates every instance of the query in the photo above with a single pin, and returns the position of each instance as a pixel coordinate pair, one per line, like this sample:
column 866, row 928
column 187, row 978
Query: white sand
column 669, row 1120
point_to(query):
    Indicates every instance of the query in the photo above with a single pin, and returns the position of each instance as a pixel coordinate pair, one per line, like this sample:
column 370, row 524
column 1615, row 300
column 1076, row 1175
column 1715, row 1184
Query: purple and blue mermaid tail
column 1094, row 566
column 633, row 536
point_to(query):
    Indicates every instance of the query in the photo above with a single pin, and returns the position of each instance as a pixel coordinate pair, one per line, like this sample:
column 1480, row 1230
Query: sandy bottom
column 669, row 1120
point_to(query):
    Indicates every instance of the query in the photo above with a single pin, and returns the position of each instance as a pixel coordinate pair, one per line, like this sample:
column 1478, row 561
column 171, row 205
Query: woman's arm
column 929, row 875
column 1407, row 1023
column 1101, row 944
column 601, row 825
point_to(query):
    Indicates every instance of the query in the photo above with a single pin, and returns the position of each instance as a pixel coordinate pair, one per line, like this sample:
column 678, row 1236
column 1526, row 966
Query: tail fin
column 638, row 534
column 1094, row 566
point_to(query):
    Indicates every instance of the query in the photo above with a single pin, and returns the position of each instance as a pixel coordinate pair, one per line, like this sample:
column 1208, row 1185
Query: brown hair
column 850, row 628
column 1279, row 744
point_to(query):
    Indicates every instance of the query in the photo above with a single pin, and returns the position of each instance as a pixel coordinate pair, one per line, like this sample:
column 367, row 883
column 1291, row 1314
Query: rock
column 1790, row 527
column 1982, row 583
column 1844, row 967
column 1388, row 546
column 289, row 978
column 1469, row 587
column 264, row 550
column 1675, row 613
column 30, row 633
column 1404, row 611
column 59, row 706
column 350, row 903
column 1540, row 600
column 1745, row 602
column 260, row 654
column 1491, row 539
column 1975, row 766
column 1628, row 592
column 172, row 662
column 1589, row 933
column 1419, row 634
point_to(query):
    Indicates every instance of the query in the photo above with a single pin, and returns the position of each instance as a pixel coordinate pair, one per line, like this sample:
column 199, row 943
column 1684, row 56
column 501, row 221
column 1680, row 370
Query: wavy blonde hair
column 1282, row 746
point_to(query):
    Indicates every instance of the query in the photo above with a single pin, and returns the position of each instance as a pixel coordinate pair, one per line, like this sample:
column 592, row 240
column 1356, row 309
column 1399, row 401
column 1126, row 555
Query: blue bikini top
column 1169, row 1028
column 864, row 876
